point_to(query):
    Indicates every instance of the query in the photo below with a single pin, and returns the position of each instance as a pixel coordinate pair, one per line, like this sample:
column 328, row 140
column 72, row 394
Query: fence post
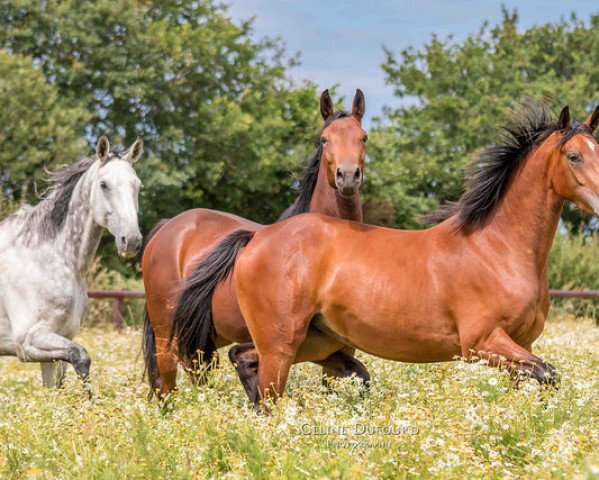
column 117, row 313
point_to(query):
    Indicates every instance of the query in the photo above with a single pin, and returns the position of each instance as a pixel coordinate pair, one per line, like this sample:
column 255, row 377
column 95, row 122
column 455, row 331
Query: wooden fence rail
column 118, row 296
column 591, row 294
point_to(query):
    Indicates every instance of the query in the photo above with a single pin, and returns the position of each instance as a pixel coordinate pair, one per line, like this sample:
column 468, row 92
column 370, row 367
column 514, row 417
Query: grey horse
column 46, row 252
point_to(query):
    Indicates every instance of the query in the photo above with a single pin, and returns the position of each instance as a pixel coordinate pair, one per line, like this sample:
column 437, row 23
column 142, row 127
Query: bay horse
column 46, row 252
column 185, row 314
column 473, row 286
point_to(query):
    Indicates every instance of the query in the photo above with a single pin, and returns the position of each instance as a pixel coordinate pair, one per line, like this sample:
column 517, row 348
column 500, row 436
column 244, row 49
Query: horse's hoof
column 546, row 374
column 79, row 358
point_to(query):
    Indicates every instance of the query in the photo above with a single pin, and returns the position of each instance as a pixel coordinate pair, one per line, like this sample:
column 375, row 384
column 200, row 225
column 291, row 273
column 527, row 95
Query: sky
column 341, row 42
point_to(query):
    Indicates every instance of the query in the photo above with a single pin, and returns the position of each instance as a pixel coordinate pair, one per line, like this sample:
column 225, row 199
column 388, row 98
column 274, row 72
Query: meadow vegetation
column 226, row 127
column 418, row 421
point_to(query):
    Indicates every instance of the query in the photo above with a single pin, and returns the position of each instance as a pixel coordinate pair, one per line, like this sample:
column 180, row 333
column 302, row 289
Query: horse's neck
column 80, row 236
column 528, row 215
column 326, row 200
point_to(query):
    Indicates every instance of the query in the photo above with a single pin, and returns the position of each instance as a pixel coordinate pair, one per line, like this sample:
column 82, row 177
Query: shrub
column 574, row 264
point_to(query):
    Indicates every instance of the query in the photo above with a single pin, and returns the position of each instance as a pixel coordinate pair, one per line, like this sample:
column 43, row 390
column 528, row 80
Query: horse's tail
column 193, row 326
column 149, row 340
column 149, row 349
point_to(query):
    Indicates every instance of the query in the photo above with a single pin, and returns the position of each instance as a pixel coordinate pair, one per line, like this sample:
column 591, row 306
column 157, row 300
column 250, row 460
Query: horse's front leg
column 53, row 373
column 41, row 344
column 501, row 351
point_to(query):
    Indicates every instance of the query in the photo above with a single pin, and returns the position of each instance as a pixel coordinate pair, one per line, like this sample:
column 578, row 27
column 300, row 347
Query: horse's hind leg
column 335, row 358
column 53, row 373
column 342, row 365
column 272, row 368
column 167, row 366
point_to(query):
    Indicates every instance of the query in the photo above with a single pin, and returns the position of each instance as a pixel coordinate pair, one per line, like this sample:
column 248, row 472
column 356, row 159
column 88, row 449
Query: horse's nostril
column 339, row 174
column 124, row 240
column 357, row 174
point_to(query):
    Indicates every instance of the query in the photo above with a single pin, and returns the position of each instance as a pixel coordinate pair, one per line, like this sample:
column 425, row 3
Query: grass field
column 451, row 420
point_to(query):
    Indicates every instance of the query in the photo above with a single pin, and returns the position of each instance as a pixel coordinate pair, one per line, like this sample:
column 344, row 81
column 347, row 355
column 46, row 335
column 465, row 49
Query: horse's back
column 185, row 239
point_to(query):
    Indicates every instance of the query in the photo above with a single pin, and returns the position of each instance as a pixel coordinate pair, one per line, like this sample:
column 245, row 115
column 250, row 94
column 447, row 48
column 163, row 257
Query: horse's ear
column 358, row 106
column 563, row 121
column 593, row 121
column 135, row 151
column 103, row 148
column 327, row 108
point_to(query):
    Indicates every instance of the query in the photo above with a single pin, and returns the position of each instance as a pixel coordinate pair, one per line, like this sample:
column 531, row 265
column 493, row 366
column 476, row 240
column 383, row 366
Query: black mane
column 307, row 182
column 488, row 176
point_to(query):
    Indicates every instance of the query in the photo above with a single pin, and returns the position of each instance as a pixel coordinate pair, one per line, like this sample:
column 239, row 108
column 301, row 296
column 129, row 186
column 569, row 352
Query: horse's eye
column 365, row 138
column 103, row 185
column 574, row 158
column 323, row 140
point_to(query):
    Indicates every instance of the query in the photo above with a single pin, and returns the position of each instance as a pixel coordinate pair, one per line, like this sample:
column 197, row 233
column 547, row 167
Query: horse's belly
column 401, row 335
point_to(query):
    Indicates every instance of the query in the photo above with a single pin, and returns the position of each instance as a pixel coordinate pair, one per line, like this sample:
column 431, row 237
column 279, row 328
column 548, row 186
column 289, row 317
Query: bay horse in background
column 187, row 313
column 46, row 252
column 473, row 286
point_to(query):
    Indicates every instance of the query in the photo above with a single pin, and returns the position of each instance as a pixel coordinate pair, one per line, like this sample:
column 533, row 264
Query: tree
column 36, row 128
column 223, row 125
column 457, row 94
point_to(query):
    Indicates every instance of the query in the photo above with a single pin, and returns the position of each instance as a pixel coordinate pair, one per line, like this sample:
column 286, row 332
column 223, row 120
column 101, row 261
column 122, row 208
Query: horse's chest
column 45, row 282
column 526, row 316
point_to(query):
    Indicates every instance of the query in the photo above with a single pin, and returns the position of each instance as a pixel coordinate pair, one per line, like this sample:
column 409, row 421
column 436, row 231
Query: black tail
column 149, row 349
column 149, row 340
column 193, row 328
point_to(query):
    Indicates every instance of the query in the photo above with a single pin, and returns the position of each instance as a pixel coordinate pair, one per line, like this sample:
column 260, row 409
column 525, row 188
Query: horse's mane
column 46, row 219
column 487, row 177
column 307, row 183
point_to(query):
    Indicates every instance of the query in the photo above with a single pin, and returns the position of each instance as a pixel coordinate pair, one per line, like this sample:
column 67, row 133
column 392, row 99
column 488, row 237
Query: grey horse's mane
column 44, row 220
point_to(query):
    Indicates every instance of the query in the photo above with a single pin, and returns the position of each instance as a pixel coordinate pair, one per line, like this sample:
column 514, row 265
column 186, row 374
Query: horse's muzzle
column 348, row 180
column 128, row 246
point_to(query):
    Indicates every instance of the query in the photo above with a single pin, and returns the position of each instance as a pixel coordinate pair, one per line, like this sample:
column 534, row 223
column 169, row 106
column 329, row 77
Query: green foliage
column 37, row 128
column 7, row 206
column 221, row 120
column 457, row 93
column 574, row 264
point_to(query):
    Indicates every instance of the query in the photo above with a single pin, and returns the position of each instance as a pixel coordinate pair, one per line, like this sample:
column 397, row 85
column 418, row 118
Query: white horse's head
column 114, row 195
